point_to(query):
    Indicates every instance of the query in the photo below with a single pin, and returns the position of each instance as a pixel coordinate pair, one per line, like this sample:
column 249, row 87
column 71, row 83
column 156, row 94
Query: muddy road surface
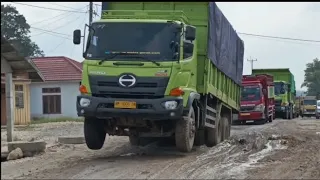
column 285, row 149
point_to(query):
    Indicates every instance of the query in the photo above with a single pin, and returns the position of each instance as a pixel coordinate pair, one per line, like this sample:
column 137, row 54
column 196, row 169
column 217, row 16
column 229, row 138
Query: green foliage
column 312, row 78
column 15, row 29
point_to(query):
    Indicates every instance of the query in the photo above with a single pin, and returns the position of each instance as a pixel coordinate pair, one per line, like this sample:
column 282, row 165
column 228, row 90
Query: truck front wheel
column 94, row 133
column 185, row 132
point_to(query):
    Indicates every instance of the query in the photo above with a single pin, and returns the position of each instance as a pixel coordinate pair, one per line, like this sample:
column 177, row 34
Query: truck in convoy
column 308, row 106
column 160, row 70
column 257, row 99
column 285, row 91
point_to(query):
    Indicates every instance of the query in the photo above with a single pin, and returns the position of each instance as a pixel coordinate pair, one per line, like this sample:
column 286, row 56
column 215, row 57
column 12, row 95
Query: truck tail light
column 176, row 92
column 83, row 89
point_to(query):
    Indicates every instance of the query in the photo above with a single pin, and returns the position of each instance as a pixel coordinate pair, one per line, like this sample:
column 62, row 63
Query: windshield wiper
column 130, row 55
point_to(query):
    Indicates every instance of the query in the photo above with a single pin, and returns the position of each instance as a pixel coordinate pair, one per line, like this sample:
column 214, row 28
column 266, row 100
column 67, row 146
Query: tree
column 15, row 29
column 312, row 78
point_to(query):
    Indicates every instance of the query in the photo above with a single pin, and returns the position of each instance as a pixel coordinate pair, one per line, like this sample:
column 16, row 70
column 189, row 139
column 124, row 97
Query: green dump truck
column 160, row 70
column 285, row 91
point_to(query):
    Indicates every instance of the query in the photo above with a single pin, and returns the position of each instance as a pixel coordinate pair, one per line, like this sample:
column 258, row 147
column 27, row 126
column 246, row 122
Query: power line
column 63, row 25
column 62, row 42
column 63, row 6
column 48, row 8
column 278, row 37
column 52, row 32
column 50, row 19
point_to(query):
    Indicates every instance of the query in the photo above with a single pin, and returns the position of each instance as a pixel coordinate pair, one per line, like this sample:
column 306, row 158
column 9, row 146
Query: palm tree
column 312, row 78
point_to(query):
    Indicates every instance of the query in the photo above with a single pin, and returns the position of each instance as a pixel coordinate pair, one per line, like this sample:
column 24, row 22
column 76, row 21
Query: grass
column 51, row 120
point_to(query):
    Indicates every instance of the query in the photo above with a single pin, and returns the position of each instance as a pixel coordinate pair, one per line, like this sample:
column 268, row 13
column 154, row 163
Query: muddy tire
column 318, row 117
column 214, row 135
column 94, row 133
column 185, row 132
column 226, row 130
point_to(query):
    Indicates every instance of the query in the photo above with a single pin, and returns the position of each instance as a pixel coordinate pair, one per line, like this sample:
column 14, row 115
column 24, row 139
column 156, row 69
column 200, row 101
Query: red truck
column 257, row 99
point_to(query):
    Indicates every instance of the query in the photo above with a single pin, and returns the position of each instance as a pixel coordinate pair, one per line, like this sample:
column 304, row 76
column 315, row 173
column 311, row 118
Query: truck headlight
column 259, row 107
column 84, row 102
column 170, row 104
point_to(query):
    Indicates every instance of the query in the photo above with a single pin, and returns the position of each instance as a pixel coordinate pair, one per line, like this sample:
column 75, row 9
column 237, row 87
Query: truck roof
column 219, row 41
column 264, row 79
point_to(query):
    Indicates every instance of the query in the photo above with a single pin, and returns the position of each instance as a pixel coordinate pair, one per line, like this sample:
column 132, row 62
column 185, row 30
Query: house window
column 51, row 100
column 19, row 101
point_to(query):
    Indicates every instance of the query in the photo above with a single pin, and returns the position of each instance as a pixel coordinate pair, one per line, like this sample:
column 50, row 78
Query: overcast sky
column 295, row 20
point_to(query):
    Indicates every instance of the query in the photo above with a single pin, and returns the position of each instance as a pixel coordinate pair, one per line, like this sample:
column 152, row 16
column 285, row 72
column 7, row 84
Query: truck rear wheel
column 226, row 128
column 94, row 133
column 185, row 132
column 213, row 135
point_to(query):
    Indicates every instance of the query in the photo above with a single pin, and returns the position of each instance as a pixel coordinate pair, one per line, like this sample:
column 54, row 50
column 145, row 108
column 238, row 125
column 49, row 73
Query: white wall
column 69, row 92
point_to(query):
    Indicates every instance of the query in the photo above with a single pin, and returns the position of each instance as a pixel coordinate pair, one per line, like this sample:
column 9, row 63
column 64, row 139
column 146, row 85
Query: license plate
column 244, row 114
column 125, row 105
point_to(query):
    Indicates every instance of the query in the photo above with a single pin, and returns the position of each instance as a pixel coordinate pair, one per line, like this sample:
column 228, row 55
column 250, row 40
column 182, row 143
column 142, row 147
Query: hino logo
column 127, row 80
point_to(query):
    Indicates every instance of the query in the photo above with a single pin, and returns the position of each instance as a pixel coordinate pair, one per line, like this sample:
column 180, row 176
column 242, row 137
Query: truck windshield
column 279, row 88
column 250, row 93
column 148, row 40
column 318, row 104
column 309, row 102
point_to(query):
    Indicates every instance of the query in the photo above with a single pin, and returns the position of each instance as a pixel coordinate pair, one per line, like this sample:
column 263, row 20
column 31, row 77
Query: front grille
column 278, row 102
column 145, row 87
column 246, row 108
column 115, row 84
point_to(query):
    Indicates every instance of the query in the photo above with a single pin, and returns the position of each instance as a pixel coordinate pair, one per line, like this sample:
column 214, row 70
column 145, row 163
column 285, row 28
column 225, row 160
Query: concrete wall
column 69, row 92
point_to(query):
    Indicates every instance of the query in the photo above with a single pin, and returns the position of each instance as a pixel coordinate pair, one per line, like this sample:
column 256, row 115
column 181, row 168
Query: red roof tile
column 58, row 68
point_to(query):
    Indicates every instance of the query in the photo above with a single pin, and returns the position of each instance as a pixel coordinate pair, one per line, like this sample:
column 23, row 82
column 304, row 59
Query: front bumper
column 150, row 109
column 280, row 109
column 253, row 115
column 309, row 113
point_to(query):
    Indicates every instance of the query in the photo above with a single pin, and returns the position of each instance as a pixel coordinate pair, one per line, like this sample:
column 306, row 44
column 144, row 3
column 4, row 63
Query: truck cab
column 309, row 106
column 156, row 70
column 285, row 91
column 257, row 99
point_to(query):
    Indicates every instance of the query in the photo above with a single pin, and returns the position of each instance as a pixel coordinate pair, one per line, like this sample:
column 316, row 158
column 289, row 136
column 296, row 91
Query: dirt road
column 286, row 149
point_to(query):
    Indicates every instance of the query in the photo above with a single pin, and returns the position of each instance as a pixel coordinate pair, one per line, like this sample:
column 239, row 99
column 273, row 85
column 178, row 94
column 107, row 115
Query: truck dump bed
column 265, row 79
column 279, row 75
column 217, row 40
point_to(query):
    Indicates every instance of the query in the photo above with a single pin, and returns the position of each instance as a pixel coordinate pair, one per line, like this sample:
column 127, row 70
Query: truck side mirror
column 77, row 36
column 190, row 33
column 188, row 48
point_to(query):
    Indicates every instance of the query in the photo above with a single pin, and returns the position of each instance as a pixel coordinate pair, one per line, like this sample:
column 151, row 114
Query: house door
column 3, row 107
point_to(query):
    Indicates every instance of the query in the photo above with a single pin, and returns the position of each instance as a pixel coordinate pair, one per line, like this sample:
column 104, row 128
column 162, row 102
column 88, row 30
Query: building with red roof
column 55, row 95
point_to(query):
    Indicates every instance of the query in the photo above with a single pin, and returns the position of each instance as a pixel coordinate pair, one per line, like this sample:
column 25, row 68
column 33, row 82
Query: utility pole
column 90, row 12
column 251, row 61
